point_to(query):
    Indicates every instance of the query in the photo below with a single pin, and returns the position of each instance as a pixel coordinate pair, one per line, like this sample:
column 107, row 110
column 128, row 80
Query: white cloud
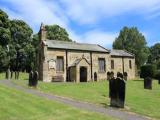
column 89, row 11
column 62, row 12
column 36, row 11
column 103, row 38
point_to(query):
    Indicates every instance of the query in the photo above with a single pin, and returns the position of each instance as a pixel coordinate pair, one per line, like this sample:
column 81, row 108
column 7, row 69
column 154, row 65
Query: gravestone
column 108, row 75
column 30, row 79
column 125, row 75
column 35, row 79
column 95, row 76
column 148, row 83
column 113, row 92
column 117, row 88
column 121, row 90
column 110, row 82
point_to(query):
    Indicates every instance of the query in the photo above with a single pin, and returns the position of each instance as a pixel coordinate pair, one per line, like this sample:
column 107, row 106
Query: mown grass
column 22, row 76
column 138, row 99
column 17, row 105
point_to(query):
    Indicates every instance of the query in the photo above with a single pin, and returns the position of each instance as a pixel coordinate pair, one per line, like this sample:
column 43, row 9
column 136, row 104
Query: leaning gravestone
column 35, row 79
column 30, row 79
column 121, row 90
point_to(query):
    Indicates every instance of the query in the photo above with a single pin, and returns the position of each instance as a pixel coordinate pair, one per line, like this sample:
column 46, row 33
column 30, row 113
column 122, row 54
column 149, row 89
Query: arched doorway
column 83, row 74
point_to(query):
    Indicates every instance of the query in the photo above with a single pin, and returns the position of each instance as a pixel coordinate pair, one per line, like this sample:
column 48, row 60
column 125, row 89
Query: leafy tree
column 55, row 32
column 155, row 53
column 132, row 40
column 21, row 42
column 5, row 38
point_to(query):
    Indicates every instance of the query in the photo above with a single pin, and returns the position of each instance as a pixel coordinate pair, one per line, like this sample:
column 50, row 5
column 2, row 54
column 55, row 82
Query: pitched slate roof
column 121, row 53
column 74, row 46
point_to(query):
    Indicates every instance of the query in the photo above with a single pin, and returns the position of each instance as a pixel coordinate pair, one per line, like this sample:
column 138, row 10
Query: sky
column 90, row 21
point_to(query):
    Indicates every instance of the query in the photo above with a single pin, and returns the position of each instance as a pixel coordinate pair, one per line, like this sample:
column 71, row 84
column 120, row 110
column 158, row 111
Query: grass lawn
column 22, row 76
column 17, row 105
column 139, row 100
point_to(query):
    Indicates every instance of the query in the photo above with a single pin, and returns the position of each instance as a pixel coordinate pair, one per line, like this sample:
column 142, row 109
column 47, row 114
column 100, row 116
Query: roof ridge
column 73, row 42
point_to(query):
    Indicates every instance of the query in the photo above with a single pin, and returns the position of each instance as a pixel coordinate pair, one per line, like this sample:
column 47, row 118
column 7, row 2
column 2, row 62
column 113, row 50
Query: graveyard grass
column 17, row 105
column 138, row 99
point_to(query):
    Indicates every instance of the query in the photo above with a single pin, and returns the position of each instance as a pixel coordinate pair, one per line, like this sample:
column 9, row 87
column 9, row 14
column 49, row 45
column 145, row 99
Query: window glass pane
column 101, row 62
column 60, row 64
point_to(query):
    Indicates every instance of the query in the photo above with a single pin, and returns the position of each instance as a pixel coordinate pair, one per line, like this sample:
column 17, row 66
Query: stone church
column 78, row 62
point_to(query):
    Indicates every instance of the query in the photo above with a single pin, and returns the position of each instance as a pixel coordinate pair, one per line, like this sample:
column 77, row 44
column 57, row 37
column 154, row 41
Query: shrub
column 147, row 71
column 157, row 75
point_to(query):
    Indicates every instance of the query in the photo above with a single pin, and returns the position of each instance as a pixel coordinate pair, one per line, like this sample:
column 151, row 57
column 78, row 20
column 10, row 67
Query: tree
column 5, row 38
column 132, row 40
column 55, row 32
column 20, row 44
column 155, row 52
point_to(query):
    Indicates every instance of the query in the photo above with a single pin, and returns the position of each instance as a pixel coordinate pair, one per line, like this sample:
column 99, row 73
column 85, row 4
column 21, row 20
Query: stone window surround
column 102, row 71
column 60, row 71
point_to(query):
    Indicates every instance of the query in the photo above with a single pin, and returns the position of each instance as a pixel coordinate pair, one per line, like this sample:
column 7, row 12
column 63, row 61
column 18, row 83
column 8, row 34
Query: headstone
column 148, row 83
column 121, row 90
column 113, row 92
column 95, row 76
column 30, row 79
column 117, row 88
column 110, row 82
column 108, row 75
column 35, row 78
column 125, row 75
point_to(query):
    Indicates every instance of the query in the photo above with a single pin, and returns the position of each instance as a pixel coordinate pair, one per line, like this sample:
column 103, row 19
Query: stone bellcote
column 42, row 32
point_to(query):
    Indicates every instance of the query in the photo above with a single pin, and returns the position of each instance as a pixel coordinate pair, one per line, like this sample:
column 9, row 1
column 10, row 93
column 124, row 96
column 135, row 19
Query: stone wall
column 118, row 66
column 47, row 66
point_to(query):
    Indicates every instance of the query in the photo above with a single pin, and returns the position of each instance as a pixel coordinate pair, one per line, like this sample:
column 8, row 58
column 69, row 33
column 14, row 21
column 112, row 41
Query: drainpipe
column 123, row 64
column 66, row 65
column 91, row 65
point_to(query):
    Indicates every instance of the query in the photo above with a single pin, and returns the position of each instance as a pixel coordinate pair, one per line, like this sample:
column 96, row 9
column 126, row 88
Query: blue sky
column 90, row 21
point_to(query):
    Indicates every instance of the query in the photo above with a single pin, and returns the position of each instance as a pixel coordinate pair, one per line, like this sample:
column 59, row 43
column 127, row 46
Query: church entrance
column 83, row 74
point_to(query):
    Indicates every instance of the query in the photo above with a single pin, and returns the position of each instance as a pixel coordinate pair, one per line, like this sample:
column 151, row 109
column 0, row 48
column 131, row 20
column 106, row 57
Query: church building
column 80, row 62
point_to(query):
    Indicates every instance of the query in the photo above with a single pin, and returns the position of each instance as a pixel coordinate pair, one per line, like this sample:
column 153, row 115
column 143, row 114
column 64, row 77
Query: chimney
column 42, row 32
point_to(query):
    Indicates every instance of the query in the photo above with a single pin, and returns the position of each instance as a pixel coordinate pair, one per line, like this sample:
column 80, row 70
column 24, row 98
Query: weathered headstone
column 110, row 82
column 30, row 79
column 108, row 75
column 148, row 83
column 147, row 72
column 117, row 88
column 125, row 75
column 121, row 90
column 113, row 92
column 95, row 76
column 35, row 78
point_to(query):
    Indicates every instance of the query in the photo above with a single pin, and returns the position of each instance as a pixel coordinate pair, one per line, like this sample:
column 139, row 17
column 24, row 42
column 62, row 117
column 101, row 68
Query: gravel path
column 117, row 113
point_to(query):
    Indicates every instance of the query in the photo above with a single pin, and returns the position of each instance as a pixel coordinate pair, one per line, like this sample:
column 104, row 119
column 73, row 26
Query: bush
column 147, row 71
column 157, row 75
